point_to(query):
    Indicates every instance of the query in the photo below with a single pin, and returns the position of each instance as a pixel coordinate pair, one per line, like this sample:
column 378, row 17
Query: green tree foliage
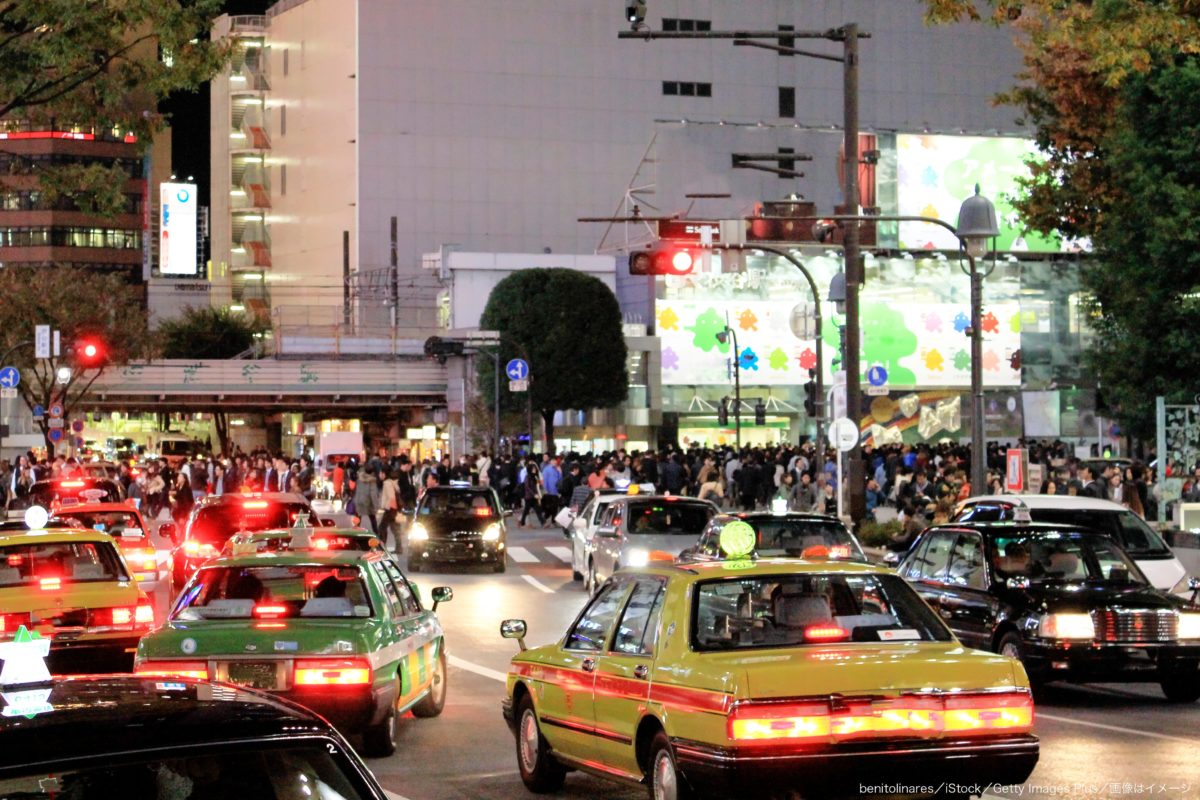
column 97, row 63
column 1119, row 169
column 568, row 326
column 207, row 332
column 78, row 303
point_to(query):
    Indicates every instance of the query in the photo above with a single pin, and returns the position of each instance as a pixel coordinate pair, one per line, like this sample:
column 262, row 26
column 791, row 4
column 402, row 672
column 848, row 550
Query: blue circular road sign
column 517, row 369
column 877, row 375
column 55, row 434
column 10, row 377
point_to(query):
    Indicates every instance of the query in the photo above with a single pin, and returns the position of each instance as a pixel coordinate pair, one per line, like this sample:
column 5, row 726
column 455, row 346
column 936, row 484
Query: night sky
column 189, row 118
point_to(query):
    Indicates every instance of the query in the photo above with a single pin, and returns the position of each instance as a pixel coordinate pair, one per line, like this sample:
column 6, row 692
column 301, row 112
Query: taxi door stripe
column 678, row 697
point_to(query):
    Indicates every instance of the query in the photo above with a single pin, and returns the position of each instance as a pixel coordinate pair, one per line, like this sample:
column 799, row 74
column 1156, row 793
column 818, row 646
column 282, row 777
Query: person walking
column 533, row 494
column 366, row 497
column 389, row 501
column 182, row 499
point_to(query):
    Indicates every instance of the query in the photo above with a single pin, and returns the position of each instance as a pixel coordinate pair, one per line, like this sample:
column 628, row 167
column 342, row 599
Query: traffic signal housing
column 88, row 353
column 760, row 413
column 663, row 261
column 810, row 399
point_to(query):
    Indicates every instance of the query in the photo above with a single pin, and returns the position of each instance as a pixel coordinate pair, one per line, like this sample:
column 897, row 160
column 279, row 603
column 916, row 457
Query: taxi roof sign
column 738, row 539
column 36, row 517
column 24, row 659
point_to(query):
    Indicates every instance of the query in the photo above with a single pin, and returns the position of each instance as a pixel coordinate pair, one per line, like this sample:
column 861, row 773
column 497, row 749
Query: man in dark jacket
column 672, row 475
column 1092, row 487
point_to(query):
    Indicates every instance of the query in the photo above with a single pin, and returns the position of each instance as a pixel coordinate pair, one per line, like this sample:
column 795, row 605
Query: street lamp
column 976, row 226
column 723, row 337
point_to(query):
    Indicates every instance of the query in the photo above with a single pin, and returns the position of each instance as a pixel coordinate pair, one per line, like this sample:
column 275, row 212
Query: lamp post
column 723, row 337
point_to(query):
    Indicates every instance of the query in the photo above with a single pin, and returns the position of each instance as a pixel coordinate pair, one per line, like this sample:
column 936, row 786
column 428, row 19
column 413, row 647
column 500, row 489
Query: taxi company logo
column 188, row 646
column 286, row 646
column 250, row 648
column 182, row 195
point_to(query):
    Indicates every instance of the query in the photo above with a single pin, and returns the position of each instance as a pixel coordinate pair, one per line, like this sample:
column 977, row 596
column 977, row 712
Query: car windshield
column 1138, row 538
column 463, row 503
column 71, row 491
column 810, row 608
column 266, row 770
column 668, row 518
column 52, row 564
column 1050, row 557
column 805, row 539
column 217, row 522
column 114, row 523
column 264, row 592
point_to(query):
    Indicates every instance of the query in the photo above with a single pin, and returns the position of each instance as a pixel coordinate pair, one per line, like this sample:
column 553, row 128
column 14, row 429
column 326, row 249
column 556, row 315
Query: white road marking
column 562, row 553
column 535, row 583
column 1116, row 728
column 522, row 556
column 470, row 666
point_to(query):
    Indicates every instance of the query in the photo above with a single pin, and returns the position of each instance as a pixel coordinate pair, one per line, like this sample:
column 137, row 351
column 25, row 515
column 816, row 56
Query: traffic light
column 88, row 353
column 664, row 261
column 760, row 413
column 723, row 412
column 441, row 349
column 810, row 399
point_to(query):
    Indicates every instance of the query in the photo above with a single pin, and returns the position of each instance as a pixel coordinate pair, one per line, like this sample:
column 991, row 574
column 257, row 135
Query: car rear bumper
column 1117, row 662
column 442, row 550
column 350, row 711
column 954, row 767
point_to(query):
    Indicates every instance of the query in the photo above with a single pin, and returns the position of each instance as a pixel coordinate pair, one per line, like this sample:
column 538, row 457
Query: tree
column 78, row 303
column 568, row 327
column 98, row 64
column 1119, row 170
column 208, row 332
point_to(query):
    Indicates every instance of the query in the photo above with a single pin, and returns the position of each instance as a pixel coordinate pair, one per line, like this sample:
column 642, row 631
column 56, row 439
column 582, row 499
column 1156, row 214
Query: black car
column 146, row 738
column 1068, row 602
column 457, row 523
column 218, row 517
column 792, row 534
column 57, row 492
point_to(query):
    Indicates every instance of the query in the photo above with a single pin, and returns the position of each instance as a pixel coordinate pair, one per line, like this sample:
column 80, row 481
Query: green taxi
column 339, row 631
column 321, row 539
column 732, row 677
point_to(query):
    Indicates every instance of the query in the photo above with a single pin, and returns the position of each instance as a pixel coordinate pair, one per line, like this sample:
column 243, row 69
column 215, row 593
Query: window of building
column 670, row 87
column 282, row 120
column 114, row 238
column 283, row 179
column 676, row 24
column 285, row 61
column 787, row 101
column 687, row 88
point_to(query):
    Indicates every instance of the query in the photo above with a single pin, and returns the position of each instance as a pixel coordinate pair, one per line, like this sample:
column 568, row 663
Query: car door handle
column 588, row 665
column 641, row 671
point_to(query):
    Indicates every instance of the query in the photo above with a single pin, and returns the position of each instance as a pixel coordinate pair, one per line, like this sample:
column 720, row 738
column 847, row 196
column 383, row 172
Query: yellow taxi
column 123, row 521
column 746, row 675
column 72, row 586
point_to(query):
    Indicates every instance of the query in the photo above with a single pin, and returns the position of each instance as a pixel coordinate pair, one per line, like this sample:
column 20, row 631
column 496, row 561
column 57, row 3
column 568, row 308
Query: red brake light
column 332, row 672
column 826, row 633
column 71, row 484
column 174, row 669
column 254, row 504
column 15, row 561
column 51, row 584
column 482, row 512
column 270, row 611
column 839, row 551
column 13, row 621
column 122, row 615
column 320, row 544
column 144, row 614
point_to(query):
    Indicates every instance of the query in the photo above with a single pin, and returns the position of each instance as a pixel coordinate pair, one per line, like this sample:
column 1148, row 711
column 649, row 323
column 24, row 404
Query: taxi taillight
column 50, row 584
column 817, row 722
column 482, row 512
column 173, row 669
column 332, row 672
column 142, row 559
column 124, row 618
column 13, row 621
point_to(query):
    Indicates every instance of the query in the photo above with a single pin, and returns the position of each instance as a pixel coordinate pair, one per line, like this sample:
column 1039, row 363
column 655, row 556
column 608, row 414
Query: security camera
column 635, row 13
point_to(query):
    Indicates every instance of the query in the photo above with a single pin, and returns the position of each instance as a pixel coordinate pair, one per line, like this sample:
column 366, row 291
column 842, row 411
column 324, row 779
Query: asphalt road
column 1097, row 741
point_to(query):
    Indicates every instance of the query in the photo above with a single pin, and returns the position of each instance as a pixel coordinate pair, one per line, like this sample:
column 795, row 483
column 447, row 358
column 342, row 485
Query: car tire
column 663, row 779
column 414, row 564
column 576, row 575
column 501, row 563
column 589, row 585
column 1182, row 688
column 379, row 740
column 540, row 771
column 1010, row 645
column 431, row 704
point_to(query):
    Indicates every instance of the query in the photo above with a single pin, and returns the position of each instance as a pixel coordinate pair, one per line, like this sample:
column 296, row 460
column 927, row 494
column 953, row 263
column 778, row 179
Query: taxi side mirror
column 508, row 512
column 441, row 594
column 1193, row 584
column 514, row 629
column 892, row 559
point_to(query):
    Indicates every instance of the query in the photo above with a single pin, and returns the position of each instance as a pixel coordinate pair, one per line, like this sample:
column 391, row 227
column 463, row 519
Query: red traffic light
column 89, row 353
column 667, row 261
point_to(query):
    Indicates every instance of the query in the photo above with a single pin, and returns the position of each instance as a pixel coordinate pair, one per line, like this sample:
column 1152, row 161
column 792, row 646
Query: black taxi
column 461, row 523
column 1068, row 602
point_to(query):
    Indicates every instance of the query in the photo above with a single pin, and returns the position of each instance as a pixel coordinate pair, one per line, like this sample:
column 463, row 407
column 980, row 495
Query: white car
column 1138, row 539
column 583, row 528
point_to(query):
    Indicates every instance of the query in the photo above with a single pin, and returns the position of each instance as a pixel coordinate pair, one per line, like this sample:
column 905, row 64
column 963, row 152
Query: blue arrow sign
column 38, row 411
column 10, row 377
column 877, row 375
column 517, row 369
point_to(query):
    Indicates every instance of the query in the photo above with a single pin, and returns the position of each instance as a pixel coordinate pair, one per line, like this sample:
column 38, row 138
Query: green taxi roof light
column 738, row 539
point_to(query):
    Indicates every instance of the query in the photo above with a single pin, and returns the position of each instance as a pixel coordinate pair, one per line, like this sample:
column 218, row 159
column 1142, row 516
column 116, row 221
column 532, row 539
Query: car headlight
column 1067, row 626
column 637, row 558
column 418, row 533
column 491, row 533
column 1189, row 625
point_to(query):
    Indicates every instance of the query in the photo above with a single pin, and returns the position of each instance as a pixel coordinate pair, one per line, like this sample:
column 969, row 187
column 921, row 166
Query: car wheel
column 431, row 705
column 540, row 772
column 414, row 564
column 665, row 781
column 501, row 563
column 1010, row 645
column 576, row 575
column 589, row 585
column 379, row 740
column 1182, row 688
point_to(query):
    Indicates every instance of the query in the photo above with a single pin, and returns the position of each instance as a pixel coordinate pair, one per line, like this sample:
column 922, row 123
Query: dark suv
column 457, row 523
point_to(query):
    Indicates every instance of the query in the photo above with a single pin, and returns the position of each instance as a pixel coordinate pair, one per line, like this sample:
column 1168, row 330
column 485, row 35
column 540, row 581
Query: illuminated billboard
column 177, row 229
column 936, row 173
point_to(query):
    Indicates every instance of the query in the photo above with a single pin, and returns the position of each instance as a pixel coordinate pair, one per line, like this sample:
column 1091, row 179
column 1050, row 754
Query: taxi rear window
column 668, row 517
column 808, row 609
column 71, row 491
column 114, row 523
column 59, row 563
column 274, row 592
column 805, row 539
column 216, row 523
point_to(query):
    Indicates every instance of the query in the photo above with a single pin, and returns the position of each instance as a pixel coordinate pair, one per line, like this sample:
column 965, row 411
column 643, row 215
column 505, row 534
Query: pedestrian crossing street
column 555, row 555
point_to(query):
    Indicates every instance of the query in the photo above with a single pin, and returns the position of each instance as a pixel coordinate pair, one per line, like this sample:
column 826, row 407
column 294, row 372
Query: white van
column 1139, row 540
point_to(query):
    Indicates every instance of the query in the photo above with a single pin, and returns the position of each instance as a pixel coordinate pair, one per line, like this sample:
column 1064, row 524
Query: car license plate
column 254, row 674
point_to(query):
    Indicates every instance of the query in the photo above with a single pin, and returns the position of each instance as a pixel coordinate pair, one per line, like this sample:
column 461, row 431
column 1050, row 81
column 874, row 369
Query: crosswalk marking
column 563, row 553
column 522, row 556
